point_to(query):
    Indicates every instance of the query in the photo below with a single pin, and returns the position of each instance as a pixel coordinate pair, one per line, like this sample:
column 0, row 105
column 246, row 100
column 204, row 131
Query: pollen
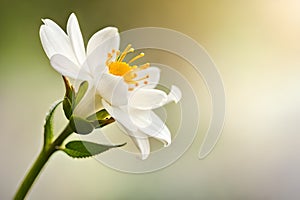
column 119, row 67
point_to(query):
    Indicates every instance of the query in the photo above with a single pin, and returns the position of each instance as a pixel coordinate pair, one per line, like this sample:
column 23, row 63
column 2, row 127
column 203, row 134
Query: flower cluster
column 127, row 91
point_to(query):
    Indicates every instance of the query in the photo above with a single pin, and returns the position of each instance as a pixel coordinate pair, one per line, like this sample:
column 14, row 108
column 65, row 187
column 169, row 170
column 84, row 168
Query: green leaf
column 84, row 149
column 69, row 98
column 48, row 127
column 80, row 125
column 81, row 92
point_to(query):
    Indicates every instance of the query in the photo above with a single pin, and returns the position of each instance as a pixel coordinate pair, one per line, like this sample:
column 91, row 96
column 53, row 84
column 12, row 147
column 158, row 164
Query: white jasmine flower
column 69, row 57
column 128, row 91
column 129, row 97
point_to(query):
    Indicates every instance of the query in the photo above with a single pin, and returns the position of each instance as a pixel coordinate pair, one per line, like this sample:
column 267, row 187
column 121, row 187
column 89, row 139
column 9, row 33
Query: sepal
column 80, row 93
column 100, row 119
column 72, row 98
column 69, row 98
column 80, row 125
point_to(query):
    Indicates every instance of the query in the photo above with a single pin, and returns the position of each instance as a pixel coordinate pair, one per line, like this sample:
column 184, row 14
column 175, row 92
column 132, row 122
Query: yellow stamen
column 124, row 52
column 123, row 55
column 109, row 57
column 144, row 66
column 127, row 48
column 122, row 68
column 136, row 57
column 117, row 53
column 143, row 78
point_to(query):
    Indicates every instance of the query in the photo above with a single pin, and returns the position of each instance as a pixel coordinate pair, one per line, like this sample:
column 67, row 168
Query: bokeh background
column 255, row 45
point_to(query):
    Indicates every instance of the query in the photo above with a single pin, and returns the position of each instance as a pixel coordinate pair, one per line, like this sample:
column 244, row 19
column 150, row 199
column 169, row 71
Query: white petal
column 174, row 95
column 142, row 142
column 99, row 37
column 47, row 45
column 119, row 115
column 89, row 104
column 140, row 118
column 146, row 99
column 97, row 58
column 51, row 24
column 158, row 130
column 96, row 66
column 113, row 89
column 54, row 41
column 75, row 35
column 152, row 81
column 67, row 68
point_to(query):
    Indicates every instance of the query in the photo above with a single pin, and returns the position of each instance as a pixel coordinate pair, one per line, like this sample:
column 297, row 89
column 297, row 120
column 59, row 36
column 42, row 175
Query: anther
column 144, row 66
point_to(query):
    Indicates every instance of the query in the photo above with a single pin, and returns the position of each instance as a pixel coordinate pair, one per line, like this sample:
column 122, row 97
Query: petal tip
column 111, row 28
column 175, row 94
column 72, row 20
column 144, row 156
column 168, row 143
column 72, row 15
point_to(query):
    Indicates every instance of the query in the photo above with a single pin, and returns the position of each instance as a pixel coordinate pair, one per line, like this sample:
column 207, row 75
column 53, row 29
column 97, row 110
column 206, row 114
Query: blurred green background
column 256, row 46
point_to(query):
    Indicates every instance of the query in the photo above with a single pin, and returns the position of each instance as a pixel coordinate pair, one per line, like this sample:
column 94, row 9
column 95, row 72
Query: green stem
column 40, row 162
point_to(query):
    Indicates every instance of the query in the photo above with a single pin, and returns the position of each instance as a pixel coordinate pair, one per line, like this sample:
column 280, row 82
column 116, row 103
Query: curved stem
column 32, row 174
column 40, row 162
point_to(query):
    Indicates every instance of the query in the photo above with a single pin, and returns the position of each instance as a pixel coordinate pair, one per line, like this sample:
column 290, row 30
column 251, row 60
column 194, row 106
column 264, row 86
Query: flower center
column 119, row 67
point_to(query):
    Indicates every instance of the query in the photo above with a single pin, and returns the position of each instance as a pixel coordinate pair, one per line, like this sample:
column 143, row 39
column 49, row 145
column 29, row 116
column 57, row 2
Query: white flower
column 129, row 97
column 127, row 90
column 68, row 56
column 139, row 121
